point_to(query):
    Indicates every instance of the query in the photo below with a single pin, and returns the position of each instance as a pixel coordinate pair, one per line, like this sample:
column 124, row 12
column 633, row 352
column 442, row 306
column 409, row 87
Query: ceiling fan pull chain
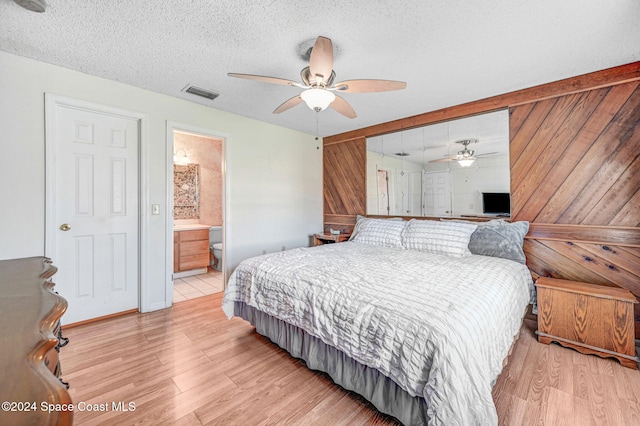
column 317, row 127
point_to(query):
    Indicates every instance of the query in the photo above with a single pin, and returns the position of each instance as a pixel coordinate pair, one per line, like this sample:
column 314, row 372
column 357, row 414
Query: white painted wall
column 274, row 191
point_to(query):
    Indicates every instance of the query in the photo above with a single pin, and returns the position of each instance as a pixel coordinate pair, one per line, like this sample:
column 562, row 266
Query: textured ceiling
column 448, row 51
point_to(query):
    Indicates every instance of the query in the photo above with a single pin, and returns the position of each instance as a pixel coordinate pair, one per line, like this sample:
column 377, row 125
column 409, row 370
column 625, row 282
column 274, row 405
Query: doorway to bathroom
column 196, row 188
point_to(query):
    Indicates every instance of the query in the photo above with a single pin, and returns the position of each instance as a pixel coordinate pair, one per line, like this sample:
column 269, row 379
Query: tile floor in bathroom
column 197, row 285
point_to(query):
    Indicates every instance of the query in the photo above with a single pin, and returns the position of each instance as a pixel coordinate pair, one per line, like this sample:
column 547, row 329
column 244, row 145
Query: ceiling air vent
column 200, row 92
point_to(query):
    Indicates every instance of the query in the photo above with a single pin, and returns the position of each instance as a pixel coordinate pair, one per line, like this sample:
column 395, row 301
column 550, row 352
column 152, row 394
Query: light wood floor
column 189, row 365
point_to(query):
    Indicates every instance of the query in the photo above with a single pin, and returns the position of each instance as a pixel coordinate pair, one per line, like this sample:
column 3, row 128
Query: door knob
column 65, row 227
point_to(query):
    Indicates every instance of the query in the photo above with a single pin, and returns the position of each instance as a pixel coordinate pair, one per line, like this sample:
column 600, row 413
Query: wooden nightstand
column 592, row 319
column 320, row 239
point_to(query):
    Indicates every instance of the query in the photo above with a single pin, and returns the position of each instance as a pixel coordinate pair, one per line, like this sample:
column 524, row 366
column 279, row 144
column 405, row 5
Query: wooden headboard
column 575, row 174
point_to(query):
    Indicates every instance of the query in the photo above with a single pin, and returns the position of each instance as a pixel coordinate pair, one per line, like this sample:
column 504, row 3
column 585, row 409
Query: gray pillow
column 498, row 238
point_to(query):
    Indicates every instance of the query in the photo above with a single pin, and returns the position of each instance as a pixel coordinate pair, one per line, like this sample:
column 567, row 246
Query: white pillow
column 378, row 232
column 448, row 238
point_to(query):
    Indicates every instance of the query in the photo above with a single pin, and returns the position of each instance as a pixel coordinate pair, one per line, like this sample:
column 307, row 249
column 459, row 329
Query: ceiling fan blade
column 321, row 59
column 352, row 86
column 443, row 160
column 264, row 79
column 343, row 107
column 487, row 154
column 290, row 103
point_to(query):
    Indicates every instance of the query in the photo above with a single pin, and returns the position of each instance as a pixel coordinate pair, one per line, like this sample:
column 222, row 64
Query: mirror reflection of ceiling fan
column 317, row 82
column 466, row 157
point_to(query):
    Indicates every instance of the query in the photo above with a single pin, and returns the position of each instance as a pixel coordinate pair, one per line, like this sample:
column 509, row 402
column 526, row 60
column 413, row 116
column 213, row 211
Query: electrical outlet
column 155, row 209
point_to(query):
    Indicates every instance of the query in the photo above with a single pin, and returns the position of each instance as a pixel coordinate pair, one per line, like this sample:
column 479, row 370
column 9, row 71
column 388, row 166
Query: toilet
column 215, row 245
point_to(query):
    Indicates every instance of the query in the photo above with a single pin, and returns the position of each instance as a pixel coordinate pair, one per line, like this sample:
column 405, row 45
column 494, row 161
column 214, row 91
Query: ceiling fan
column 317, row 82
column 466, row 157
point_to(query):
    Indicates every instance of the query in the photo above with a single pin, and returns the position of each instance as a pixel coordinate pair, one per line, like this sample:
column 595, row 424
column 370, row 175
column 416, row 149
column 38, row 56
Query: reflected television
column 496, row 203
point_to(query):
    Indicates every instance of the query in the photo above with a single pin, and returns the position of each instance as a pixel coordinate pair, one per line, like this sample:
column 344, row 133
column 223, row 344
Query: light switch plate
column 155, row 209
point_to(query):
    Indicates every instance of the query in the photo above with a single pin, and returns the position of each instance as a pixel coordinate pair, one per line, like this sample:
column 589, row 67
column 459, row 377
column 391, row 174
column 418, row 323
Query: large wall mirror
column 431, row 171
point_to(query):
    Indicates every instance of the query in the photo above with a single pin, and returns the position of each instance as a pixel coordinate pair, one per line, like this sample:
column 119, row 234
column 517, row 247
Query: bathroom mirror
column 421, row 172
column 186, row 203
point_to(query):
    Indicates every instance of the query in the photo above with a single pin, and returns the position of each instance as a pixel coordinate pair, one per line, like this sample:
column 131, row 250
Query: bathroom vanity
column 190, row 249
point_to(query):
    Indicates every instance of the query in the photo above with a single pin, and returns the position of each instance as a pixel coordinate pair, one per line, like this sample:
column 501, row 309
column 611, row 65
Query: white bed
column 436, row 327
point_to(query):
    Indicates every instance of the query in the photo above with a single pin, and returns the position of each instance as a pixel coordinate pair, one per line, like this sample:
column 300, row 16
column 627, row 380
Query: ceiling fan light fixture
column 465, row 157
column 317, row 99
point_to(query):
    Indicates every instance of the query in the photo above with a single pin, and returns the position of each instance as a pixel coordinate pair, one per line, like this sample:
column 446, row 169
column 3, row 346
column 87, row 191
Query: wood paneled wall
column 575, row 169
column 344, row 175
column 575, row 173
column 574, row 159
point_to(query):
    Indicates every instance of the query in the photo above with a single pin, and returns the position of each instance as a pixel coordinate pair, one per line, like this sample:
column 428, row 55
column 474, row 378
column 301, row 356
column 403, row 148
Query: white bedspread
column 439, row 327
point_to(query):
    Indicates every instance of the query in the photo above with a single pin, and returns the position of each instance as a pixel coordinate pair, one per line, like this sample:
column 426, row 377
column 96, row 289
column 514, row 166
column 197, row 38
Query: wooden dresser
column 593, row 319
column 31, row 389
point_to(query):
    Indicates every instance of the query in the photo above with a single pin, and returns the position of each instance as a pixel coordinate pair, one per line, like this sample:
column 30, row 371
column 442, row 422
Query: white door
column 383, row 193
column 402, row 193
column 415, row 194
column 437, row 194
column 92, row 231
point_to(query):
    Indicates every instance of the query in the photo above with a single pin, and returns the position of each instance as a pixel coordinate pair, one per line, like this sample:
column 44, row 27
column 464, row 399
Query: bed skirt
column 378, row 389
